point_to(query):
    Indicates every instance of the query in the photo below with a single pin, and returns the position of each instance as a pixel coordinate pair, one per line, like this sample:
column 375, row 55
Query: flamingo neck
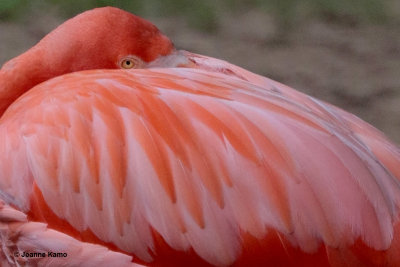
column 20, row 74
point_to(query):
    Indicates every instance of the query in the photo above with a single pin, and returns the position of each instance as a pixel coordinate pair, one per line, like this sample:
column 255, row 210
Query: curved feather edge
column 18, row 235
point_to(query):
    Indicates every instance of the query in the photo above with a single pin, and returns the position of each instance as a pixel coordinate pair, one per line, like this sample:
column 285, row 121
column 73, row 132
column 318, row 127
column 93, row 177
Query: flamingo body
column 192, row 161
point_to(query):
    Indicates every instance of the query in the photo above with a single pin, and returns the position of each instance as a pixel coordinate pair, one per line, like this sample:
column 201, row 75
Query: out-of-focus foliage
column 364, row 10
column 204, row 14
column 289, row 12
column 370, row 10
column 10, row 8
column 199, row 14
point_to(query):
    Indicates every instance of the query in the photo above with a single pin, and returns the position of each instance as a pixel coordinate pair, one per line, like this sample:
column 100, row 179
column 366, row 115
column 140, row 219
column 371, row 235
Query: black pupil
column 128, row 62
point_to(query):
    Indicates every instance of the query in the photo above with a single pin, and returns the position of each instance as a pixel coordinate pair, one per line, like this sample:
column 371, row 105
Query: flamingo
column 116, row 149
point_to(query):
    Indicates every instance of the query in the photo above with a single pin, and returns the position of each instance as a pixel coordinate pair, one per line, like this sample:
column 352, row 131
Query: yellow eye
column 131, row 62
column 127, row 64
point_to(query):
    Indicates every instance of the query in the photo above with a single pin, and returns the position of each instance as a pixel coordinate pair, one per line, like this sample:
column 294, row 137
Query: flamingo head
column 102, row 38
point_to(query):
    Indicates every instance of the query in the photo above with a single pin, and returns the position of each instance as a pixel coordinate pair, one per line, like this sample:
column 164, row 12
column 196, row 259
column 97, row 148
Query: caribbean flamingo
column 117, row 150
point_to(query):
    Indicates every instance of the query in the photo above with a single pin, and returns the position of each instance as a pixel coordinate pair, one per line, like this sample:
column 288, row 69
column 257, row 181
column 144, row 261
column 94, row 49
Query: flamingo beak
column 177, row 59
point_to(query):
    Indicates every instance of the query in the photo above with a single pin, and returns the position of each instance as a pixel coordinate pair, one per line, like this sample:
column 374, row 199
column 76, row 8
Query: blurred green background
column 346, row 52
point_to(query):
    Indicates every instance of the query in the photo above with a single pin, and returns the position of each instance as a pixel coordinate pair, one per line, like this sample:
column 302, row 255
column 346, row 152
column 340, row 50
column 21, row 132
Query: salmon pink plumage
column 118, row 150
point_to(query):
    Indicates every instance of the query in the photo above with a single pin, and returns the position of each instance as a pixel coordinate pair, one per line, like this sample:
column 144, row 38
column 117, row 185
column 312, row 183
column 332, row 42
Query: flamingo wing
column 374, row 139
column 181, row 164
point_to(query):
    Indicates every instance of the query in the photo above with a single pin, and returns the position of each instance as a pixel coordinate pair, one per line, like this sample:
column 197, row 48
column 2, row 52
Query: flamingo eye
column 131, row 62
